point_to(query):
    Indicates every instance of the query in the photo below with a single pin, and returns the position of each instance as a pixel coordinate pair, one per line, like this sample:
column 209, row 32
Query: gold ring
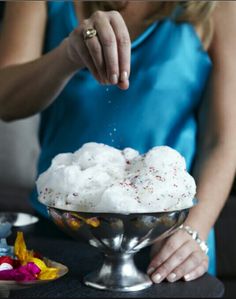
column 89, row 33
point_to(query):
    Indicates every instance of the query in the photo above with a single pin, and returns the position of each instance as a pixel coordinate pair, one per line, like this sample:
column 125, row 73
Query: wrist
column 65, row 57
column 195, row 236
column 198, row 226
column 200, row 220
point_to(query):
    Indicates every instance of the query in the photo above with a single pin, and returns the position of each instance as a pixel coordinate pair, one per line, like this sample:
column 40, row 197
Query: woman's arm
column 30, row 81
column 29, row 88
column 215, row 165
column 216, row 160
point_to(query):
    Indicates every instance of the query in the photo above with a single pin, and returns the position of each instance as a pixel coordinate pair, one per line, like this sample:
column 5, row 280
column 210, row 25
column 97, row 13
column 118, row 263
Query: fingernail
column 114, row 79
column 157, row 278
column 171, row 277
column 124, row 76
column 150, row 270
column 187, row 277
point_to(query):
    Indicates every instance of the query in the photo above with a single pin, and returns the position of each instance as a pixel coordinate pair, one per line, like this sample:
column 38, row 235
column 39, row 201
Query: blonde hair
column 197, row 13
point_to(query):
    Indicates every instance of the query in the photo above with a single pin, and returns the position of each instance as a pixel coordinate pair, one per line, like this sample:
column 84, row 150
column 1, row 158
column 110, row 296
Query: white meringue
column 101, row 178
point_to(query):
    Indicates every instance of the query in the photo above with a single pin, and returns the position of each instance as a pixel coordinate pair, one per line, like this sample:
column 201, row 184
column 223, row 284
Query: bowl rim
column 65, row 209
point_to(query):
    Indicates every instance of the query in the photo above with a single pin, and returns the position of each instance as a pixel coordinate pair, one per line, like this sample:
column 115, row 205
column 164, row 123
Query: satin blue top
column 169, row 71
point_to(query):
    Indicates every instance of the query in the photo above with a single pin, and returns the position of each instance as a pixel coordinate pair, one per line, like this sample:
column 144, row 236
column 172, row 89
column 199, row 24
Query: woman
column 56, row 57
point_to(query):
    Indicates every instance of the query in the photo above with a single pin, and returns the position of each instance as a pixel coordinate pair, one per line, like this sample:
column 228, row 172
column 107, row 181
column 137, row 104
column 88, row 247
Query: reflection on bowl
column 119, row 237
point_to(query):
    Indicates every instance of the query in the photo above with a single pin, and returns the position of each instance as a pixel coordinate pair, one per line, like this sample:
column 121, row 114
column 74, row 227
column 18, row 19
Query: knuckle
column 185, row 236
column 165, row 269
column 114, row 14
column 158, row 260
column 191, row 246
column 84, row 24
column 98, row 14
column 180, row 233
column 123, row 40
column 170, row 246
column 112, row 70
column 180, row 257
column 195, row 258
column 112, row 65
column 95, row 49
column 108, row 41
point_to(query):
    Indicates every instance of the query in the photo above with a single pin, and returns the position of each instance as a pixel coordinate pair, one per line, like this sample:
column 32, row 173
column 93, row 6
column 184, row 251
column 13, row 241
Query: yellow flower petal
column 95, row 222
column 49, row 273
column 46, row 272
column 26, row 256
column 38, row 263
column 20, row 249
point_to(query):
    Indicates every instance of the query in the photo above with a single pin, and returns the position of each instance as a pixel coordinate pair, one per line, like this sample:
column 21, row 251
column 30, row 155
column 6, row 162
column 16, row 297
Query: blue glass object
column 5, row 231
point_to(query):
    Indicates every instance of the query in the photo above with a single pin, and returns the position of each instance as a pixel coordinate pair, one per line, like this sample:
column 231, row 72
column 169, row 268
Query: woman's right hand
column 106, row 55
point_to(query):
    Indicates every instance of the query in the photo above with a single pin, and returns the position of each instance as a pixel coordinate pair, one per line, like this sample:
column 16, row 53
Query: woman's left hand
column 179, row 257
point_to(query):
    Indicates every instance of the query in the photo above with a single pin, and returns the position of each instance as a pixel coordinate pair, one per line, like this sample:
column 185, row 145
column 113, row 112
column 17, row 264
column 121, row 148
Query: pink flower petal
column 11, row 275
column 23, row 273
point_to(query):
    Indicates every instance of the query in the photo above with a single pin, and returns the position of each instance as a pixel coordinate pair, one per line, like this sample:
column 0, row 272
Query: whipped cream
column 101, row 178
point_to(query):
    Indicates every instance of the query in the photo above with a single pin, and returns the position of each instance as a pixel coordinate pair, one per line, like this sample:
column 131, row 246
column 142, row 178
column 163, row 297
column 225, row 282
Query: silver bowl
column 118, row 237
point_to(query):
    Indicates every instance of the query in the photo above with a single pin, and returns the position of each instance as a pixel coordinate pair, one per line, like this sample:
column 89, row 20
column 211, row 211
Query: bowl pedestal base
column 118, row 273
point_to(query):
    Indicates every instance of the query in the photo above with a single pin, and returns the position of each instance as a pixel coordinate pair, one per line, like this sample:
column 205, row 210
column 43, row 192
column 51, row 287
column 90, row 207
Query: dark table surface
column 81, row 259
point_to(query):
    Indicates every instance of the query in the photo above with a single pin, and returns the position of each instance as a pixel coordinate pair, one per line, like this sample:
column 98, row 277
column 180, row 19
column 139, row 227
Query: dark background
column 225, row 227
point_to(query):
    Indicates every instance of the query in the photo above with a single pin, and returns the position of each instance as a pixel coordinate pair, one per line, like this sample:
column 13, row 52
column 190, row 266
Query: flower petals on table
column 49, row 273
column 20, row 249
column 28, row 272
column 46, row 272
column 27, row 266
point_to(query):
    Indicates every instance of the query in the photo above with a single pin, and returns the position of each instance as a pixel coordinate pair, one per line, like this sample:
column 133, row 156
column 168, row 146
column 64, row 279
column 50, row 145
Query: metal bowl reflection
column 119, row 237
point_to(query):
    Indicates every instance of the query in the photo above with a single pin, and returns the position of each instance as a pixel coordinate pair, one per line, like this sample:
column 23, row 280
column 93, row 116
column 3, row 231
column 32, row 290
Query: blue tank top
column 169, row 71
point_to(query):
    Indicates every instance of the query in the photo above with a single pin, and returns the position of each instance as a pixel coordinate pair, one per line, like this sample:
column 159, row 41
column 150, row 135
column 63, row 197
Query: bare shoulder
column 224, row 24
column 22, row 31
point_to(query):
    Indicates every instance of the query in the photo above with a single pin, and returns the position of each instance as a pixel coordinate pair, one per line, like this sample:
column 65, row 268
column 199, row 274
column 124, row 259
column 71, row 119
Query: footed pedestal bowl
column 118, row 237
